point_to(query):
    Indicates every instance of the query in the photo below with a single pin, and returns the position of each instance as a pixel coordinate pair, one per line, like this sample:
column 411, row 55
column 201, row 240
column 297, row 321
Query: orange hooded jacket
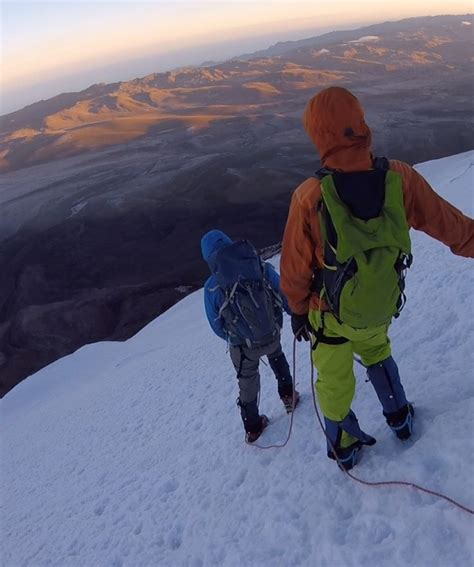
column 334, row 120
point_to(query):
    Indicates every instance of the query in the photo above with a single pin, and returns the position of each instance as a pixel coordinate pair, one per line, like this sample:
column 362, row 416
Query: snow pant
column 246, row 363
column 335, row 386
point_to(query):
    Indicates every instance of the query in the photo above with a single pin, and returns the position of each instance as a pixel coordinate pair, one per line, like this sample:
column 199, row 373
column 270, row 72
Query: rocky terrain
column 105, row 193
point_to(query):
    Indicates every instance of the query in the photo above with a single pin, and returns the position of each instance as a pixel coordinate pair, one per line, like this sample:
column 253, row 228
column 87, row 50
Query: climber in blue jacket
column 249, row 317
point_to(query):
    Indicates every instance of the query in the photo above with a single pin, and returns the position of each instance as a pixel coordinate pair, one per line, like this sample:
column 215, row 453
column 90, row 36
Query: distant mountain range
column 106, row 193
column 273, row 80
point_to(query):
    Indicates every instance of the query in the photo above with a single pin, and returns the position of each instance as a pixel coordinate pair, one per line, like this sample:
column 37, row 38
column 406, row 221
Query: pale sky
column 78, row 41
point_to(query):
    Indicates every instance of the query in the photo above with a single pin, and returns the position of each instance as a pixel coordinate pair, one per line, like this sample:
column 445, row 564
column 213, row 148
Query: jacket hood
column 213, row 241
column 334, row 120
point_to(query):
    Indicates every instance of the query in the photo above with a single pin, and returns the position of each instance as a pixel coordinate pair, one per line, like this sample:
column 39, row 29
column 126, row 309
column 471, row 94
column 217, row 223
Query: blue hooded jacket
column 214, row 296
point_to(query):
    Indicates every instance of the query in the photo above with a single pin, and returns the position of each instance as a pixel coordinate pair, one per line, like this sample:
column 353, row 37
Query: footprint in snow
column 240, row 478
column 176, row 537
column 138, row 529
column 169, row 486
column 99, row 509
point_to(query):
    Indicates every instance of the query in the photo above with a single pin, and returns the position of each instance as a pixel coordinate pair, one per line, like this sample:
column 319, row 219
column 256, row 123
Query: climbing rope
column 290, row 428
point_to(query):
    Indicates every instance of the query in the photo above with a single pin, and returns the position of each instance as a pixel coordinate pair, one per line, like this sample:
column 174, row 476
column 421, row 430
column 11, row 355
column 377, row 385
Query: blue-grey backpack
column 251, row 310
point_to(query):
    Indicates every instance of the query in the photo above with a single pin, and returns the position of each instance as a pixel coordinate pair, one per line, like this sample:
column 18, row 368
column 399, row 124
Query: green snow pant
column 335, row 386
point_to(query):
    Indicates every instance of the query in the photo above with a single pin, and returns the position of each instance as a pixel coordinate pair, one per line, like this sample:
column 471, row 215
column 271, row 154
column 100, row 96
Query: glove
column 301, row 327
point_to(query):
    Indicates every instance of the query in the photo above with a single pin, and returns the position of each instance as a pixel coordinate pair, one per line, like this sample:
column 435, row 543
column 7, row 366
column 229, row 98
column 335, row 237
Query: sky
column 52, row 47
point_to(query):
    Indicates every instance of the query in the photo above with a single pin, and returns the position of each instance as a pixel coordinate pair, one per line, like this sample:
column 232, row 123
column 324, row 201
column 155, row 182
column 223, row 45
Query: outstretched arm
column 429, row 212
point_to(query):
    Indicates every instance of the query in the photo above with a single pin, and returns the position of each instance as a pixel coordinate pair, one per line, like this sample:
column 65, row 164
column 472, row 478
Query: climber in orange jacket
column 356, row 204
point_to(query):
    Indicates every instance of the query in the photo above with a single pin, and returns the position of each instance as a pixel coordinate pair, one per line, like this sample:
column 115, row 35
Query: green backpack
column 366, row 245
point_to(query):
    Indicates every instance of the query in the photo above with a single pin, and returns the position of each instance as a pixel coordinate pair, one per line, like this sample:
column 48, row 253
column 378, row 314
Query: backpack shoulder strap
column 381, row 163
column 323, row 172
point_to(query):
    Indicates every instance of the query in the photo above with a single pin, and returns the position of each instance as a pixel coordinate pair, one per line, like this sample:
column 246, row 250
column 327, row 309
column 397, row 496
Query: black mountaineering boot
column 289, row 402
column 401, row 421
column 252, row 436
column 348, row 457
column 254, row 423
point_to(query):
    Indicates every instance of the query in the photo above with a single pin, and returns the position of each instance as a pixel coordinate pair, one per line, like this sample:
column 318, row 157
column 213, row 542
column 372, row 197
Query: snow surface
column 132, row 454
column 78, row 208
column 365, row 39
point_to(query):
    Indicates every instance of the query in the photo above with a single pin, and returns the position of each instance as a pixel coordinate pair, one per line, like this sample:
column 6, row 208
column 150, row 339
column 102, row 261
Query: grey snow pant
column 246, row 363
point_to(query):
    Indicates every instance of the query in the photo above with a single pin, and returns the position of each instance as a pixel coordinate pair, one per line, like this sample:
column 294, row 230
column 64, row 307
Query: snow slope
column 132, row 454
